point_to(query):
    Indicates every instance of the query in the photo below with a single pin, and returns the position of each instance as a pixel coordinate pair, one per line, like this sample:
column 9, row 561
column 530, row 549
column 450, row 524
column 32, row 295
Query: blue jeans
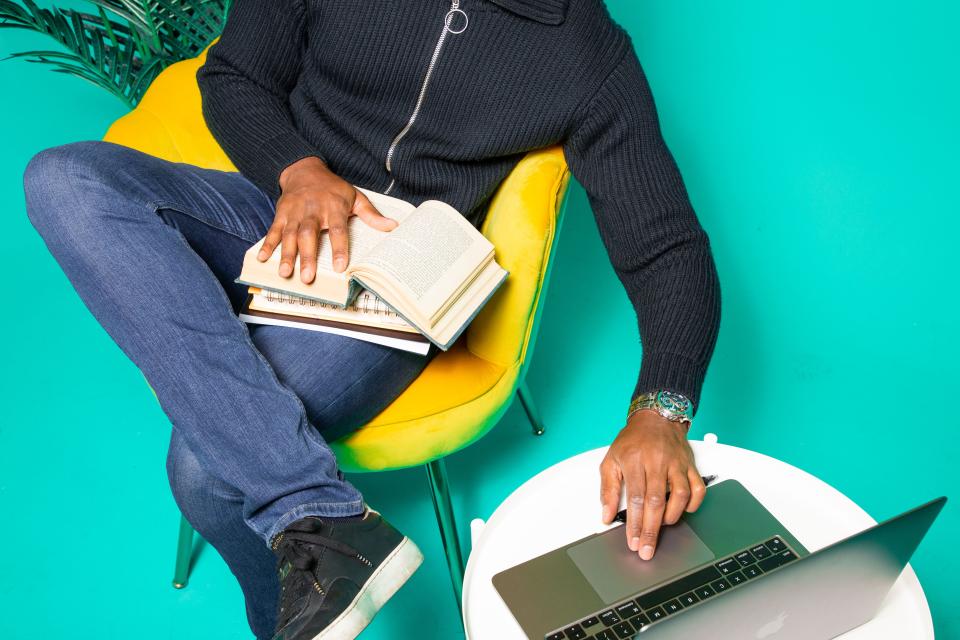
column 152, row 248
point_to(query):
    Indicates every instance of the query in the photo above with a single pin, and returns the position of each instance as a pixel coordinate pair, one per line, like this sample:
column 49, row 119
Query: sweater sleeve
column 245, row 83
column 656, row 245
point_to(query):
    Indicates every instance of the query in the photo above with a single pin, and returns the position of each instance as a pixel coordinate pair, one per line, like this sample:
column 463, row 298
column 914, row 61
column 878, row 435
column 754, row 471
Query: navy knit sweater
column 342, row 79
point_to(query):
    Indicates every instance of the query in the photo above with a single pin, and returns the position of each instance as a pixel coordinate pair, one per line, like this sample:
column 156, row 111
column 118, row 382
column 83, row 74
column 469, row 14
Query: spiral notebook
column 366, row 318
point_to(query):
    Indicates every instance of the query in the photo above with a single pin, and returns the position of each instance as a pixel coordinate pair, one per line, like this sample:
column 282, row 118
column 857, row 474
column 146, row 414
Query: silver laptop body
column 755, row 579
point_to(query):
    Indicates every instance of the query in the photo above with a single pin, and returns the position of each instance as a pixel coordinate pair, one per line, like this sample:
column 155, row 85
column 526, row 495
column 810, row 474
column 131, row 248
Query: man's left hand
column 650, row 456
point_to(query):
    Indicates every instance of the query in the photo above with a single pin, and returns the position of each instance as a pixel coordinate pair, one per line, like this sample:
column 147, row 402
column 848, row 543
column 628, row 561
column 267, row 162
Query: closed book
column 283, row 310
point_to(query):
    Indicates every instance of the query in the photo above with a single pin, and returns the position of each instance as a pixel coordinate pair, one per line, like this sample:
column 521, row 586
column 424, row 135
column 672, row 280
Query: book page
column 361, row 237
column 328, row 285
column 434, row 253
column 466, row 307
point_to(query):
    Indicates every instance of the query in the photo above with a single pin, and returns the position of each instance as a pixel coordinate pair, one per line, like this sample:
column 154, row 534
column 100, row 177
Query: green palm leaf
column 125, row 44
column 177, row 27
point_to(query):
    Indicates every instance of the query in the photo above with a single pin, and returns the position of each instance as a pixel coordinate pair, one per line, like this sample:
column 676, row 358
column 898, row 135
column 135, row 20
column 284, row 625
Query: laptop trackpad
column 615, row 572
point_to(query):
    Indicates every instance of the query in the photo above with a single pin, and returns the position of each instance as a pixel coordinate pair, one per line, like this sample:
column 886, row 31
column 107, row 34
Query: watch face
column 674, row 402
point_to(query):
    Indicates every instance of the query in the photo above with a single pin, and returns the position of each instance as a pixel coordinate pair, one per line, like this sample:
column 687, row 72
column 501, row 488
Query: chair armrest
column 522, row 223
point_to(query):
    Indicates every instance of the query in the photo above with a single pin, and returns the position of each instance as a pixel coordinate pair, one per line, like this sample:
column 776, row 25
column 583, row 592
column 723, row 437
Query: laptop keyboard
column 627, row 618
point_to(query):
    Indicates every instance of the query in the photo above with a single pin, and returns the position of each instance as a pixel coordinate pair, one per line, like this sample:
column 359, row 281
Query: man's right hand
column 313, row 199
column 649, row 457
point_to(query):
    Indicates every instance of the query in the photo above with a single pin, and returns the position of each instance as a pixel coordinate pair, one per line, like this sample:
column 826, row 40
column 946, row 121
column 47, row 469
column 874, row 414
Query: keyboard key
column 623, row 630
column 678, row 587
column 688, row 599
column 589, row 622
column 720, row 585
column 575, row 633
column 760, row 552
column 639, row 622
column 609, row 617
column 627, row 609
column 745, row 558
column 704, row 592
column 606, row 634
column 728, row 566
column 556, row 636
column 776, row 545
column 752, row 571
column 672, row 606
column 655, row 614
column 736, row 578
column 777, row 559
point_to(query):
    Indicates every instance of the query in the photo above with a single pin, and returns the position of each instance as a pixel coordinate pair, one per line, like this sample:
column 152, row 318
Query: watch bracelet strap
column 642, row 401
column 648, row 400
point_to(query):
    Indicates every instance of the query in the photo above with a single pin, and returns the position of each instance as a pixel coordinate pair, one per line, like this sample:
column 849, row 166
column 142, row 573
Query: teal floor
column 824, row 175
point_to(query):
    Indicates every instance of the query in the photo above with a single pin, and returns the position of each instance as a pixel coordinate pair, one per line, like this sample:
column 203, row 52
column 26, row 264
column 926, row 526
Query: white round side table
column 561, row 504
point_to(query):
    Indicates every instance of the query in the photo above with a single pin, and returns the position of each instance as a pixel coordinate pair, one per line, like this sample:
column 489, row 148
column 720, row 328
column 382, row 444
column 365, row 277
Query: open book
column 435, row 270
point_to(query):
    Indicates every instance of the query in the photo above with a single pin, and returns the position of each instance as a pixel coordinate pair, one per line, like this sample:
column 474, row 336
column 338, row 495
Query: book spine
column 473, row 315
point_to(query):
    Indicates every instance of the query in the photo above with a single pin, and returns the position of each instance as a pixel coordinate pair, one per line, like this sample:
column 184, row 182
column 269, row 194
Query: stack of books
column 421, row 283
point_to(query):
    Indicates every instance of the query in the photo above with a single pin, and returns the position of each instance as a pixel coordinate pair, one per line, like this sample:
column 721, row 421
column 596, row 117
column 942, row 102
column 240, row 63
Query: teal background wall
column 818, row 141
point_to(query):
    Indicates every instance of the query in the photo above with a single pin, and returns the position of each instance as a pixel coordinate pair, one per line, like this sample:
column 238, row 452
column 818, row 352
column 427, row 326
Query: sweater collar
column 545, row 11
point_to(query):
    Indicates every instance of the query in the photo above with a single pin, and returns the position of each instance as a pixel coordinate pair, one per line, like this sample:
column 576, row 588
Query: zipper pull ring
column 448, row 19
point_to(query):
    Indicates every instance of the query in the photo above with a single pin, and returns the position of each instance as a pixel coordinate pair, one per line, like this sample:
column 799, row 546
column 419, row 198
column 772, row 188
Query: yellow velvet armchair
column 463, row 392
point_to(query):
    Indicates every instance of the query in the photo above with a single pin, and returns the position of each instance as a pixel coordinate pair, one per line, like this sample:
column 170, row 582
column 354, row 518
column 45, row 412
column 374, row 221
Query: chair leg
column 440, row 490
column 181, row 571
column 533, row 415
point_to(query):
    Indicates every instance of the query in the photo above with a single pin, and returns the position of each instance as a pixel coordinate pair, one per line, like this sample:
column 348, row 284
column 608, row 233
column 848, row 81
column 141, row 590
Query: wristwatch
column 672, row 406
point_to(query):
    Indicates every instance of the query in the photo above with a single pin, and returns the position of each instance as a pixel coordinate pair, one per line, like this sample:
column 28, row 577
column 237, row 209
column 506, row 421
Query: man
column 419, row 99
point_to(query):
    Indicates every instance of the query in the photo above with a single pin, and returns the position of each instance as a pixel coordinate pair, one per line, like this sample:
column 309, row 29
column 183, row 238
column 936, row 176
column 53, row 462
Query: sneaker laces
column 297, row 545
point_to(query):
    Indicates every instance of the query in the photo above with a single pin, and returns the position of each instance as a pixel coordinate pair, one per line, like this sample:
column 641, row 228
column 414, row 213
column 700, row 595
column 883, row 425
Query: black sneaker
column 336, row 574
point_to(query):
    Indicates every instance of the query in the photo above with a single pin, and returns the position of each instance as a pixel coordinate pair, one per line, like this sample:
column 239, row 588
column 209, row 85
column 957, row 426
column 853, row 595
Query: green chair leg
column 440, row 490
column 181, row 572
column 533, row 415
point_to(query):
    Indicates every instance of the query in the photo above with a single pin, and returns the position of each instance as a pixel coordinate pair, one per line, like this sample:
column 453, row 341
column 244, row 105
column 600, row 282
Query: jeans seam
column 318, row 440
column 164, row 204
column 300, row 511
column 310, row 432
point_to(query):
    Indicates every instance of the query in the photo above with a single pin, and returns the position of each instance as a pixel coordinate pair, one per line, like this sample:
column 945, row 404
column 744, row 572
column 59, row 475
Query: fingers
column 296, row 229
column 339, row 240
column 653, row 506
column 307, row 244
column 679, row 496
column 288, row 249
column 698, row 490
column 364, row 209
column 610, row 483
column 271, row 241
column 636, row 490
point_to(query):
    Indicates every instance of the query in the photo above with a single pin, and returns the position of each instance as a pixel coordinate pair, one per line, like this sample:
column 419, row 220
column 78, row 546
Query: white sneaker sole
column 392, row 573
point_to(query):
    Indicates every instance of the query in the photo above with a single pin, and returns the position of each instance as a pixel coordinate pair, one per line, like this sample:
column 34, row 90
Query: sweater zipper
column 447, row 21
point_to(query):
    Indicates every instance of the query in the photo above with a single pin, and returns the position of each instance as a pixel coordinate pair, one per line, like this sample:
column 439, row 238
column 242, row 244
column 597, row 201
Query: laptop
column 728, row 570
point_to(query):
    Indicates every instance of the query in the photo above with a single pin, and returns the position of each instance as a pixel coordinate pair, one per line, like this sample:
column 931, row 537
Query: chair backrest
column 168, row 122
column 522, row 221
